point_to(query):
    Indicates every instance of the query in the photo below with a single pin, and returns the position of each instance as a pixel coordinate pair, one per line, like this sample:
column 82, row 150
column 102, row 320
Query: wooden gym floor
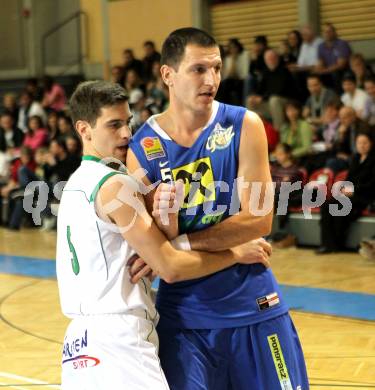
column 332, row 299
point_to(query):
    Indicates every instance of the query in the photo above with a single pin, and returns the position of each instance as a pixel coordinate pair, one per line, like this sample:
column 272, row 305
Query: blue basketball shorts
column 263, row 356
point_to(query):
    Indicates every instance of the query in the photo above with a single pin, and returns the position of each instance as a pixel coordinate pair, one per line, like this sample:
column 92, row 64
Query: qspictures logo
column 73, row 353
column 278, row 359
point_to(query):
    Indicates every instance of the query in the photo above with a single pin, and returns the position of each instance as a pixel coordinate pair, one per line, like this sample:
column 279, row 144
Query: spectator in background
column 294, row 42
column 73, row 146
column 156, row 91
column 37, row 135
column 10, row 105
column 133, row 82
column 344, row 145
column 360, row 70
column 318, row 99
column 235, row 68
column 146, row 113
column 333, row 55
column 129, row 62
column 32, row 86
column 353, row 96
column 296, row 132
column 117, row 75
column 272, row 135
column 28, row 108
column 286, row 55
column 308, row 55
column 11, row 137
column 19, row 179
column 362, row 175
column 52, row 125
column 284, row 170
column 325, row 137
column 370, row 107
column 151, row 56
column 65, row 127
column 257, row 65
column 54, row 98
column 60, row 164
column 275, row 87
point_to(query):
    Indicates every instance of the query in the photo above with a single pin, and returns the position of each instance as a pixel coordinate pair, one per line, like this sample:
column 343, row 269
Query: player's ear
column 167, row 75
column 84, row 130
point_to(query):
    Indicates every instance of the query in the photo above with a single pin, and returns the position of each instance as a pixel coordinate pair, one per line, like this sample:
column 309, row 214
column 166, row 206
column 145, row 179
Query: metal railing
column 79, row 18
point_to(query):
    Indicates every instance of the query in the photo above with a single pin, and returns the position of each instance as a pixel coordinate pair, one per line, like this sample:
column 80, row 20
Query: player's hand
column 255, row 251
column 168, row 200
column 138, row 269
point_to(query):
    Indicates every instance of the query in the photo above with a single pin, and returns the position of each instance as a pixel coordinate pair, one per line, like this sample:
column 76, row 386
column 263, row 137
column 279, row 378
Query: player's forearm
column 192, row 265
column 231, row 232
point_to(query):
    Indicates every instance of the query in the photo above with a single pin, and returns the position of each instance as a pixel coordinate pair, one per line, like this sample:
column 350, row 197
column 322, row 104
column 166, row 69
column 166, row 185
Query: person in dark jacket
column 362, row 175
column 275, row 87
column 10, row 135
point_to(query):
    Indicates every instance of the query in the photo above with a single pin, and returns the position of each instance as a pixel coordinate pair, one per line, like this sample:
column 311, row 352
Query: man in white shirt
column 353, row 96
column 308, row 56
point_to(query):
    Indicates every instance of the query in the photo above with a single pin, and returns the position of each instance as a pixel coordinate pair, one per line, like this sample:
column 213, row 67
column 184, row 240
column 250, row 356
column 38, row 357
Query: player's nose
column 126, row 132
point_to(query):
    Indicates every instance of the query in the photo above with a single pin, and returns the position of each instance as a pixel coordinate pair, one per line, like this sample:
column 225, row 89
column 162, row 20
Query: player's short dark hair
column 91, row 96
column 173, row 48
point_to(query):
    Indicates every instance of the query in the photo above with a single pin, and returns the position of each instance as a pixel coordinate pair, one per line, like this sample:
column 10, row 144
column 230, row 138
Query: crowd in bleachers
column 315, row 97
column 37, row 143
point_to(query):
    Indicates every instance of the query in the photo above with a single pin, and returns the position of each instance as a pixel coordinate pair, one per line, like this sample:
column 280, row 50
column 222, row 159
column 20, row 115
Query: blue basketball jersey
column 242, row 294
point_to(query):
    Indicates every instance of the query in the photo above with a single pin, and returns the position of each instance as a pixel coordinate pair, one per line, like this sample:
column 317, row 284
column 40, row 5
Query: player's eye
column 200, row 69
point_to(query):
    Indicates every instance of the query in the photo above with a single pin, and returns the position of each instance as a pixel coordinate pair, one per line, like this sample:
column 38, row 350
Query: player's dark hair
column 91, row 96
column 173, row 48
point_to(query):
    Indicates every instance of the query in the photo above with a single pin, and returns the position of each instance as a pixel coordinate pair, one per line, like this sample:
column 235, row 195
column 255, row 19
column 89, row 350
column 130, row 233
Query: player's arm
column 119, row 203
column 133, row 165
column 253, row 168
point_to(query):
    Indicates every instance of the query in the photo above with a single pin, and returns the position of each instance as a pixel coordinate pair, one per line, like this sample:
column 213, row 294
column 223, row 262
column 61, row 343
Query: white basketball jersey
column 92, row 254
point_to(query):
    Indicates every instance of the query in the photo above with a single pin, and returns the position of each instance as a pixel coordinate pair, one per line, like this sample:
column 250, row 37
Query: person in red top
column 16, row 182
column 36, row 135
column 54, row 95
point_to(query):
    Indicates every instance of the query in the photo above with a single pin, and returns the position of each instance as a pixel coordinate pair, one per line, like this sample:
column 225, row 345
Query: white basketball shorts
column 103, row 352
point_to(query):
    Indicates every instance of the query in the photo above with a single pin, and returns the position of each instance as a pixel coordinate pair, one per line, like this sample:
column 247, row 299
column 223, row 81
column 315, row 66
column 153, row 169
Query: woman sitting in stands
column 296, row 132
column 362, row 175
column 285, row 170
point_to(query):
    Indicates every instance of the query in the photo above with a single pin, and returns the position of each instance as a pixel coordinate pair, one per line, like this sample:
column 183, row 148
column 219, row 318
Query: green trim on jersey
column 91, row 158
column 102, row 181
column 74, row 259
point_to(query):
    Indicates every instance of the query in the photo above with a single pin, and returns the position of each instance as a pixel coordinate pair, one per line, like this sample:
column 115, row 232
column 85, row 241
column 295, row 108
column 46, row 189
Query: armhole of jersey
column 238, row 122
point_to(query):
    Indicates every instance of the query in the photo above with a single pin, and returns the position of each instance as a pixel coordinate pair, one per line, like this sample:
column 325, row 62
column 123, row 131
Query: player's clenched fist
column 256, row 251
column 168, row 200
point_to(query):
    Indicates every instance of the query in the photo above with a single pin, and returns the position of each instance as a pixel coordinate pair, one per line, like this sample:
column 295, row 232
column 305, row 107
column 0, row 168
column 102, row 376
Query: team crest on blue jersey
column 220, row 138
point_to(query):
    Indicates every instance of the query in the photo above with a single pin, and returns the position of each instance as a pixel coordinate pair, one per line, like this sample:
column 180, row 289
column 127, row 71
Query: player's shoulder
column 145, row 130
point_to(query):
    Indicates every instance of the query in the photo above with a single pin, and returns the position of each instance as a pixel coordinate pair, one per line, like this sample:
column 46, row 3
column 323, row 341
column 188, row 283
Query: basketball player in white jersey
column 111, row 342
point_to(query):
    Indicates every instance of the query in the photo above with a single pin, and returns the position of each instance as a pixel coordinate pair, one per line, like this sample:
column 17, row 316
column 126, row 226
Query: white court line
column 8, row 375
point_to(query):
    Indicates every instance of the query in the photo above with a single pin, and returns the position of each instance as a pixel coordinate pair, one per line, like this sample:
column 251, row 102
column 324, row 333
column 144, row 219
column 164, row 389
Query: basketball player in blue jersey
column 229, row 330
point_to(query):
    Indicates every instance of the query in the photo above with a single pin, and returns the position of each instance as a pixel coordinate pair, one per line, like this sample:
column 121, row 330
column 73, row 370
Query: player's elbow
column 266, row 225
column 170, row 276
